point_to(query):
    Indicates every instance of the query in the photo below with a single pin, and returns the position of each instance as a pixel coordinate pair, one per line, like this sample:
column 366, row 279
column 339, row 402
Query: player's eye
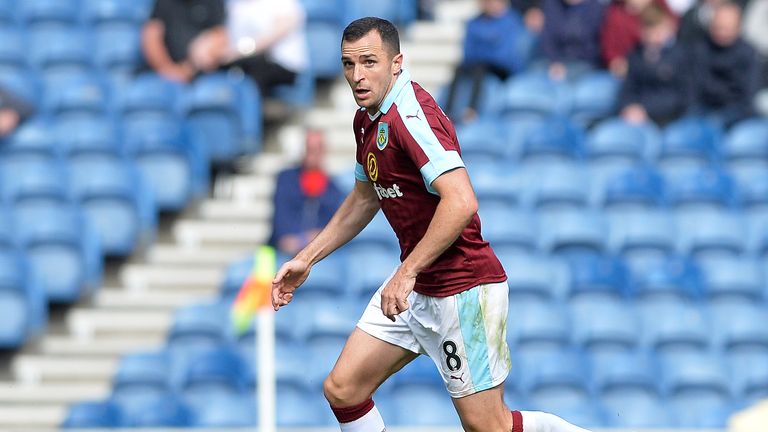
column 369, row 62
column 346, row 63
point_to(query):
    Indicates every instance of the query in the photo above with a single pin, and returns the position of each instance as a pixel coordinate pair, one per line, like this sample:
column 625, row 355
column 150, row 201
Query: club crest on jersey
column 382, row 137
column 373, row 167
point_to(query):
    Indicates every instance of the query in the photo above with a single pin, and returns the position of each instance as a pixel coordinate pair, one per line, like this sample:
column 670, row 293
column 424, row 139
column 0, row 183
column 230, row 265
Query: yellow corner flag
column 255, row 292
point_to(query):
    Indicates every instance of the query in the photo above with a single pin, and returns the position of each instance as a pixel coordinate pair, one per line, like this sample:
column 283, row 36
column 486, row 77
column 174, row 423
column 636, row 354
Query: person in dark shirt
column 490, row 47
column 657, row 86
column 726, row 69
column 570, row 39
column 184, row 37
column 305, row 199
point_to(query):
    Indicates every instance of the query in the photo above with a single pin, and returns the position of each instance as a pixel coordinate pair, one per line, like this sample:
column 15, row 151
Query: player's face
column 370, row 69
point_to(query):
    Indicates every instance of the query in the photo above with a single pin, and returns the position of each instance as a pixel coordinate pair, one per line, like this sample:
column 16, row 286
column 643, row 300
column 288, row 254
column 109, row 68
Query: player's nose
column 358, row 74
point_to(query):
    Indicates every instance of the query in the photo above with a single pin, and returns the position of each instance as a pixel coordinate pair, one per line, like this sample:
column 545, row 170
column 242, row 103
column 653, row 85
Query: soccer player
column 448, row 297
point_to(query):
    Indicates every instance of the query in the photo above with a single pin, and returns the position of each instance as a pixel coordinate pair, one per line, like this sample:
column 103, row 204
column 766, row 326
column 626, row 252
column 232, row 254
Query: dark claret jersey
column 401, row 151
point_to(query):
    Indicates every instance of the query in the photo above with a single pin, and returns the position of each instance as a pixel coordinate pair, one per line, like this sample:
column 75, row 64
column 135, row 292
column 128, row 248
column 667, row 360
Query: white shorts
column 464, row 334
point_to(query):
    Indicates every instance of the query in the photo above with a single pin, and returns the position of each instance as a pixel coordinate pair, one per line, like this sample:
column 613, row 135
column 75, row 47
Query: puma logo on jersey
column 460, row 377
column 392, row 192
column 410, row 116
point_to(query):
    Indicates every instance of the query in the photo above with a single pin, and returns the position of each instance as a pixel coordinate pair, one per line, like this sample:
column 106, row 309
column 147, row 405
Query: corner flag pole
column 253, row 298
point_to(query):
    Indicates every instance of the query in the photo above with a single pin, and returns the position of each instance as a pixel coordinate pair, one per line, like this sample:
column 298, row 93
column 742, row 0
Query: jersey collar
column 402, row 80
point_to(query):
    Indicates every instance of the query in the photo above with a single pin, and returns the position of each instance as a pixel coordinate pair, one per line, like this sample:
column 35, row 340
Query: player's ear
column 397, row 63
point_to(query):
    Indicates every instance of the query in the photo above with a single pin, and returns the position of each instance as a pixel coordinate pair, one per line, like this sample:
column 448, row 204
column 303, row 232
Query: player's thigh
column 364, row 363
column 484, row 411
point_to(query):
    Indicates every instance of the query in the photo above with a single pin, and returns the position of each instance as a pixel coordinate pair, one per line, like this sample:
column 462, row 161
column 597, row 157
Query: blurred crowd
column 675, row 57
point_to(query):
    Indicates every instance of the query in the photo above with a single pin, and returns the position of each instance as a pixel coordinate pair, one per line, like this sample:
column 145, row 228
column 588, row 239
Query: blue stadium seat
column 674, row 328
column 198, row 326
column 86, row 136
column 625, row 373
column 39, row 13
column 564, row 378
column 740, row 333
column 23, row 305
column 141, row 374
column 488, row 103
column 13, row 56
column 172, row 160
column 420, row 371
column 328, row 277
column 694, row 374
column 92, row 415
column 368, row 267
column 34, row 137
column 81, row 97
column 752, row 182
column 112, row 13
column 225, row 112
column 544, row 278
column 234, row 276
column 615, row 138
column 637, row 411
column 8, row 12
column 711, row 232
column 733, row 278
column 674, row 276
column 750, row 378
column 117, row 50
column 572, row 231
column 324, row 351
column 296, row 408
column 691, row 139
column 23, row 82
column 221, row 411
column 150, row 95
column 332, row 318
column 63, row 251
column 324, row 47
column 594, row 97
column 597, row 276
column 167, row 411
column 641, row 232
column 604, row 324
column 212, row 373
column 483, row 137
column 535, row 94
column 26, row 177
column 516, row 131
column 560, row 185
column 747, row 140
column 57, row 51
column 324, row 11
column 422, row 406
column 537, row 324
column 494, row 183
column 581, row 411
column 300, row 93
column 702, row 413
column 702, row 187
column 400, row 12
column 377, row 232
column 635, row 187
column 508, row 228
column 556, row 137
column 117, row 204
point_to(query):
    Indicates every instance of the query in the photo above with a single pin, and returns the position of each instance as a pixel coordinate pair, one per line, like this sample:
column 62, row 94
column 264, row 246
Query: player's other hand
column 394, row 296
column 290, row 276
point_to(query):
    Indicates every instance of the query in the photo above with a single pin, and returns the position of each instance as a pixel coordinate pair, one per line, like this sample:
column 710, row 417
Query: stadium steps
column 29, row 369
column 54, row 394
column 217, row 232
column 143, row 277
column 210, row 256
column 31, row 417
column 100, row 346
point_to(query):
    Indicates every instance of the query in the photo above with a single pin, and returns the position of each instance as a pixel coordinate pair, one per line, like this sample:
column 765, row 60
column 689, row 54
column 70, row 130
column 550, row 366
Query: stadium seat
column 594, row 97
column 12, row 53
column 81, row 97
column 24, row 304
column 738, row 329
column 752, row 182
column 63, row 251
column 702, row 413
column 676, row 277
column 750, row 379
column 296, row 408
column 604, row 324
column 92, row 415
column 597, row 276
column 690, row 138
column 220, row 411
column 212, row 373
column 8, row 12
column 508, row 228
column 363, row 283
column 560, row 185
column 324, row 11
column 434, row 407
column 328, row 277
column 494, row 183
column 615, row 138
column 118, row 205
column 582, row 411
column 636, row 187
column 631, row 411
column 483, row 137
column 49, row 13
column 747, row 140
column 60, row 51
column 695, row 374
column 143, row 373
column 117, row 50
column 544, row 278
column 731, row 277
column 34, row 137
column 711, row 233
column 87, row 136
column 516, row 131
column 564, row 379
column 556, row 138
column 572, row 231
column 702, row 187
column 400, row 12
column 377, row 232
column 225, row 112
column 625, row 373
column 299, row 94
column 324, row 351
column 323, row 46
column 23, row 82
column 674, row 328
column 534, row 94
column 488, row 103
column 420, row 371
column 537, row 324
column 150, row 96
column 112, row 13
column 157, row 412
column 641, row 231
column 198, row 326
column 172, row 160
column 335, row 318
column 26, row 177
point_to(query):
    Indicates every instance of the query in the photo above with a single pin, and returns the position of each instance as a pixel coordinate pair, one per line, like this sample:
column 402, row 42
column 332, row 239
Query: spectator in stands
column 621, row 31
column 726, row 69
column 657, row 86
column 570, row 39
column 531, row 12
column 305, row 199
column 13, row 111
column 184, row 37
column 756, row 26
column 266, row 40
column 490, row 47
column 694, row 24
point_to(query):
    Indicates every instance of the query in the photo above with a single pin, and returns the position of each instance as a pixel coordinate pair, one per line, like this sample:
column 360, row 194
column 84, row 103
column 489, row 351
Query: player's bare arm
column 357, row 210
column 457, row 206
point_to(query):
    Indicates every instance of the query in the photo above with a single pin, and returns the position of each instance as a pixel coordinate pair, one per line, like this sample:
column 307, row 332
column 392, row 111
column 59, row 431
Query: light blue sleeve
column 360, row 173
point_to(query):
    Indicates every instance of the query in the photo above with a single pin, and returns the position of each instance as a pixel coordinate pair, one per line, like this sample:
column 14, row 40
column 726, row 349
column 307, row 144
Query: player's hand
column 290, row 276
column 394, row 296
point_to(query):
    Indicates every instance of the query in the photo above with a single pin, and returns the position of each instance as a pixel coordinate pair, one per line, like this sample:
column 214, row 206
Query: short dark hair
column 361, row 27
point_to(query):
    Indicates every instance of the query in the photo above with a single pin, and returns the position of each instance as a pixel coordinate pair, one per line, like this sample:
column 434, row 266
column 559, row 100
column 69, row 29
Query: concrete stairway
column 76, row 360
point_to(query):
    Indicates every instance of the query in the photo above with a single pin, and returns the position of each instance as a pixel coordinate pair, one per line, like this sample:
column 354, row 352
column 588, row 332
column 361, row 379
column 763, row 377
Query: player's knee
column 341, row 393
